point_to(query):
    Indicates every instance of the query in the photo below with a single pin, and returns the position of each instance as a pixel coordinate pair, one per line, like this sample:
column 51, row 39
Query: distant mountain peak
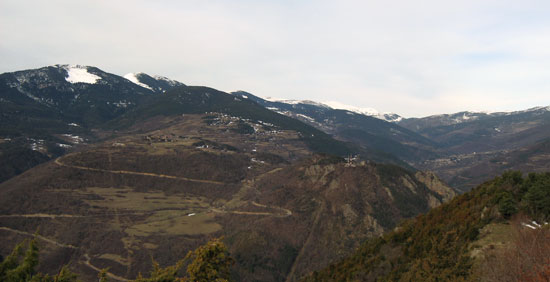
column 468, row 116
column 389, row 117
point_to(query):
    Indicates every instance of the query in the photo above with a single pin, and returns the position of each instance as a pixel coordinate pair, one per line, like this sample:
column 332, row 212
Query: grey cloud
column 399, row 56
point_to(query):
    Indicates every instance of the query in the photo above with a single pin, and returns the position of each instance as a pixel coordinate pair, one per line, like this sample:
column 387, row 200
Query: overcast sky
column 411, row 57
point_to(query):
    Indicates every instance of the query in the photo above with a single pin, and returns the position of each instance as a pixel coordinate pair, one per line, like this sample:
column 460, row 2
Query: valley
column 464, row 149
column 196, row 176
column 125, row 170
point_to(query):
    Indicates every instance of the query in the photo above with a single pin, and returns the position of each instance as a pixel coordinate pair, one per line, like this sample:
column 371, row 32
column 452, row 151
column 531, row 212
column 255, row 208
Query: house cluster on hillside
column 166, row 138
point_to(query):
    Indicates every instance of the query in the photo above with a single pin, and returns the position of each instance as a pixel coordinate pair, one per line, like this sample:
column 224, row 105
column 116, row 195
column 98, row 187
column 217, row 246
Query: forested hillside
column 496, row 232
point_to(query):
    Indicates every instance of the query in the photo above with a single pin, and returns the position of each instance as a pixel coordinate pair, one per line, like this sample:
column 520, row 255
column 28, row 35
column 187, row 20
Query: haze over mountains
column 114, row 169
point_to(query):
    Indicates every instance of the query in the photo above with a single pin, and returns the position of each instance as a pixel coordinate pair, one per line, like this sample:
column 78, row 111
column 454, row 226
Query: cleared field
column 127, row 199
column 175, row 223
column 116, row 258
column 168, row 215
column 142, row 195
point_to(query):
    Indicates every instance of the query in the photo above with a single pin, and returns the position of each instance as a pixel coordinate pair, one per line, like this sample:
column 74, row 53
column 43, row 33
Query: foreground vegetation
column 210, row 262
column 438, row 246
column 449, row 243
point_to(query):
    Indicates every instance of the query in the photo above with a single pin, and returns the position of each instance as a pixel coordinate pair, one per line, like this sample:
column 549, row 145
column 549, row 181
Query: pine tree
column 211, row 262
column 14, row 271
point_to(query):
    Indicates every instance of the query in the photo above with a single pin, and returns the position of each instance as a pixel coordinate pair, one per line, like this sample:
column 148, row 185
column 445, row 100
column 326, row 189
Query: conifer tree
column 211, row 262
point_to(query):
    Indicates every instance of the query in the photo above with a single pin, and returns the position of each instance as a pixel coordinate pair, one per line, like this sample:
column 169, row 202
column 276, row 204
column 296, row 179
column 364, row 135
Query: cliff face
column 435, row 184
column 341, row 205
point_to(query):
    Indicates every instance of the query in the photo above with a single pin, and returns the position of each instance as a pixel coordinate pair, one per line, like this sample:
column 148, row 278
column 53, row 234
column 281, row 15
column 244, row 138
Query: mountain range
column 463, row 148
column 47, row 110
column 115, row 169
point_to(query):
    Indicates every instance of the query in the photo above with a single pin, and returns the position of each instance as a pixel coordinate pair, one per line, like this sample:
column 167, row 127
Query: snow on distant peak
column 296, row 102
column 547, row 108
column 271, row 99
column 358, row 110
column 133, row 78
column 80, row 74
column 389, row 117
column 171, row 82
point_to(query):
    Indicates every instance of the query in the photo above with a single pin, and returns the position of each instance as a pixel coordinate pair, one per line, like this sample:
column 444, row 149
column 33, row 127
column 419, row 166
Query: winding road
column 285, row 212
column 87, row 260
column 58, row 162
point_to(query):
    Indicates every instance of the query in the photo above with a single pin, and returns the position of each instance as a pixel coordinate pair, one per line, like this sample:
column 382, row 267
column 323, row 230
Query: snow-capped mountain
column 351, row 124
column 45, row 111
column 73, row 89
column 390, row 117
column 80, row 90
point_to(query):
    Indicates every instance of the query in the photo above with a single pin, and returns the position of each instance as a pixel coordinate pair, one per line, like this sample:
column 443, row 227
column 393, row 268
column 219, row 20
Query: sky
column 413, row 58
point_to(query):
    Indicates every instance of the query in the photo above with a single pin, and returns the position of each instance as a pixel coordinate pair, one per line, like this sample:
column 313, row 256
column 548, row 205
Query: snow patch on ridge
column 389, row 117
column 547, row 108
column 306, row 117
column 80, row 74
column 133, row 78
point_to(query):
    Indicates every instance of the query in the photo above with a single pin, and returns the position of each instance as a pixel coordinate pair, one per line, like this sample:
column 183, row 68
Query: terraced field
column 135, row 195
